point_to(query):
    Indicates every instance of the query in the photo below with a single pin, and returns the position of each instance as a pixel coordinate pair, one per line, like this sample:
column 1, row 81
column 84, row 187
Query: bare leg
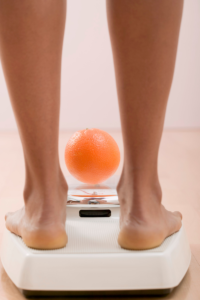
column 144, row 37
column 31, row 37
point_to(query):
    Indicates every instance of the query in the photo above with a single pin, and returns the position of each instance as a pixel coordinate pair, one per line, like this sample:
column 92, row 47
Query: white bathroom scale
column 93, row 263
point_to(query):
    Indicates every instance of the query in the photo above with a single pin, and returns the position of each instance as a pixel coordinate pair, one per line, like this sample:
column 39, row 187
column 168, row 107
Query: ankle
column 137, row 189
column 46, row 191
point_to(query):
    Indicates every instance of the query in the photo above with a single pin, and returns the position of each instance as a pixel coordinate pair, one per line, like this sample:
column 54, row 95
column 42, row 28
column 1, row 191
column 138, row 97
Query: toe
column 175, row 223
column 12, row 222
column 178, row 214
column 8, row 219
column 7, row 216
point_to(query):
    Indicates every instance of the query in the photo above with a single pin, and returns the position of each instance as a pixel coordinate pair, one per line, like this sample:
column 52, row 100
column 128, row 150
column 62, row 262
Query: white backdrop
column 89, row 96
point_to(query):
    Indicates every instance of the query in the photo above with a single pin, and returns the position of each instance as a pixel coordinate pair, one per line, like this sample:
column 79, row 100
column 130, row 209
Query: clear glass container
column 92, row 194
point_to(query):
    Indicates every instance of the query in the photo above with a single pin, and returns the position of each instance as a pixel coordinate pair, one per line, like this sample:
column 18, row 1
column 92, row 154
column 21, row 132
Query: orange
column 92, row 155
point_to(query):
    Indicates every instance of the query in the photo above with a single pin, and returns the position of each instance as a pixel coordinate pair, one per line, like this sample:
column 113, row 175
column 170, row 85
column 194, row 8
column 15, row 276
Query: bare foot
column 41, row 222
column 144, row 222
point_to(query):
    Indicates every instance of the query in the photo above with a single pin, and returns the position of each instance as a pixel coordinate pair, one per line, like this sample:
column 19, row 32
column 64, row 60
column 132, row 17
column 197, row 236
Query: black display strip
column 95, row 213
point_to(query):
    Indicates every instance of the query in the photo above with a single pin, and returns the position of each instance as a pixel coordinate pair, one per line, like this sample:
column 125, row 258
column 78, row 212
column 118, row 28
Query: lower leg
column 144, row 37
column 31, row 37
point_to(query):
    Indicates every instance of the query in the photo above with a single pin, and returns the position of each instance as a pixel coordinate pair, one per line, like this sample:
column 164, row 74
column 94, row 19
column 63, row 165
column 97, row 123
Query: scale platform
column 93, row 262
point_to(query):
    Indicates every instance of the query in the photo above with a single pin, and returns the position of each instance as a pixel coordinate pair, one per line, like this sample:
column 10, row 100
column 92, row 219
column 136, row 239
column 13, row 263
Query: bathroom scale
column 92, row 263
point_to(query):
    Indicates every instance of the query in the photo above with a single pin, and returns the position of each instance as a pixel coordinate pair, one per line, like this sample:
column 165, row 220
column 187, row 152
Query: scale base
column 156, row 293
column 93, row 263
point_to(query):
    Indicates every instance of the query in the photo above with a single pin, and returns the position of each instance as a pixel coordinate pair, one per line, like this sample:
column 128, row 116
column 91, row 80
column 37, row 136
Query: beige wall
column 88, row 87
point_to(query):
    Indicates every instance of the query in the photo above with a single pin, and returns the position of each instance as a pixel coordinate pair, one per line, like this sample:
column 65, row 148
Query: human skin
column 144, row 37
column 31, row 39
